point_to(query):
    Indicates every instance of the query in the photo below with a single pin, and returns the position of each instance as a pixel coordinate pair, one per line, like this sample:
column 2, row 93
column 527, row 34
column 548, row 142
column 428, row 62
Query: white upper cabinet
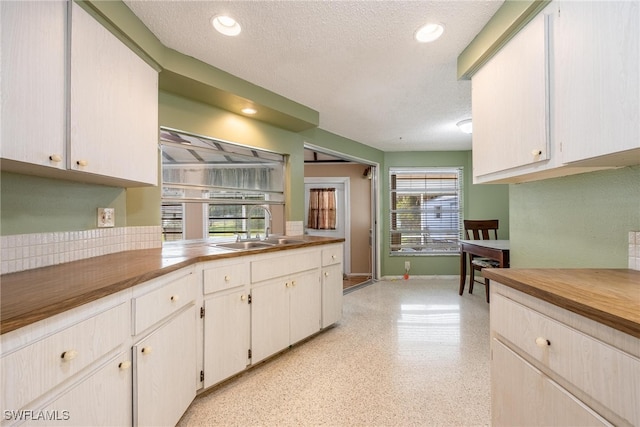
column 510, row 104
column 82, row 102
column 33, row 88
column 562, row 96
column 113, row 104
column 597, row 81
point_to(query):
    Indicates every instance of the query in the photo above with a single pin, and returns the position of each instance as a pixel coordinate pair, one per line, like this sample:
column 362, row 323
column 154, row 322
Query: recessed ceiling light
column 226, row 25
column 249, row 110
column 465, row 126
column 429, row 32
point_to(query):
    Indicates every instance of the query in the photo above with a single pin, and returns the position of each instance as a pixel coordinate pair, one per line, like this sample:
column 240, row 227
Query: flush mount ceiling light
column 226, row 25
column 465, row 126
column 249, row 110
column 429, row 33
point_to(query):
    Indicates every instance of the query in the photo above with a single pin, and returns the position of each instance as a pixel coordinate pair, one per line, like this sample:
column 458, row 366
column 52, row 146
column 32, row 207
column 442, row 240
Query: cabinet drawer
column 225, row 277
column 332, row 255
column 156, row 305
column 40, row 366
column 573, row 356
column 282, row 265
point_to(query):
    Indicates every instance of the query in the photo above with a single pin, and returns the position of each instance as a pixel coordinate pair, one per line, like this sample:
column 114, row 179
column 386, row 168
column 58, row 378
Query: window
column 217, row 189
column 425, row 210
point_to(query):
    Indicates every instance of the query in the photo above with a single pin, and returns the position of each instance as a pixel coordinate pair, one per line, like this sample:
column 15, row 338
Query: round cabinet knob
column 293, row 283
column 82, row 163
column 536, row 153
column 146, row 350
column 326, row 274
column 333, row 257
column 542, row 342
column 124, row 365
column 243, row 297
column 56, row 158
column 175, row 298
column 69, row 355
column 227, row 278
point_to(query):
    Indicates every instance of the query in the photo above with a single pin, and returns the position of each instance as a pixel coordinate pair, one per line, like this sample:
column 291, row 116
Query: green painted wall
column 480, row 202
column 576, row 221
column 32, row 204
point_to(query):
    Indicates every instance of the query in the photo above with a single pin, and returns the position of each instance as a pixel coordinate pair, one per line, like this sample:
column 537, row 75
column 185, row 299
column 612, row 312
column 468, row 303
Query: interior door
column 342, row 230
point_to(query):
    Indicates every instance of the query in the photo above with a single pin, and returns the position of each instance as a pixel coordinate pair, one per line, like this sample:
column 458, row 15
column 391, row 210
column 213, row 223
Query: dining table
column 494, row 249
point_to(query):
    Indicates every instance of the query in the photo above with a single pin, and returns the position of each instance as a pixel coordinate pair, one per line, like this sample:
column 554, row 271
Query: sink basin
column 283, row 241
column 245, row 245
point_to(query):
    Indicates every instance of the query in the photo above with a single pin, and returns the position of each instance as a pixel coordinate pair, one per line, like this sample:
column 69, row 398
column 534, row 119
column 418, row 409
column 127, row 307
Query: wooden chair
column 483, row 229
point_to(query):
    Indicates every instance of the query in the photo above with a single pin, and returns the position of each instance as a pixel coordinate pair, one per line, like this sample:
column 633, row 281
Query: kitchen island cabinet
column 555, row 359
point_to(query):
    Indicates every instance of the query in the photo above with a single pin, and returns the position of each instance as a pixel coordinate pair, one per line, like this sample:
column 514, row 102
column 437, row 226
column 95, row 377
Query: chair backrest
column 481, row 229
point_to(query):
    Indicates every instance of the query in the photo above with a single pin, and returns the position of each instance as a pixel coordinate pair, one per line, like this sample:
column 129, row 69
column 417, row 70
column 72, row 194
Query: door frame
column 375, row 201
column 345, row 181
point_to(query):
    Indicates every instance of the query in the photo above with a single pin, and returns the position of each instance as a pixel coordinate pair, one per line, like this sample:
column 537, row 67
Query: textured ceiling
column 355, row 62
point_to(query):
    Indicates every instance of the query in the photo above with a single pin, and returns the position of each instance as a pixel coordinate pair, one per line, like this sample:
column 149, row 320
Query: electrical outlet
column 106, row 217
column 407, row 265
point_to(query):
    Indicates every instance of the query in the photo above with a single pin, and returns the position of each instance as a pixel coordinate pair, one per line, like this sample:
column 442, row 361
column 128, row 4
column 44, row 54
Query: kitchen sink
column 245, row 245
column 283, row 241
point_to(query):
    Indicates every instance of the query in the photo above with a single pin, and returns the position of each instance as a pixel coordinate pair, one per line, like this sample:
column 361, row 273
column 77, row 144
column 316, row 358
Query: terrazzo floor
column 406, row 353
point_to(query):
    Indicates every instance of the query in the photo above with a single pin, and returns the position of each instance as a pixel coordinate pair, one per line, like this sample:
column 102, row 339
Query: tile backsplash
column 634, row 250
column 26, row 251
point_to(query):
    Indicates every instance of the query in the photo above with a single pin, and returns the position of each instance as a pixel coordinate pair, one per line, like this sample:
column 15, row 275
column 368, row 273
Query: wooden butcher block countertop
column 32, row 295
column 608, row 296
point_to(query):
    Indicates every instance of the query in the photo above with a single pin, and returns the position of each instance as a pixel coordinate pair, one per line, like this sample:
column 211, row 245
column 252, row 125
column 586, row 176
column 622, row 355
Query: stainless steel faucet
column 267, row 225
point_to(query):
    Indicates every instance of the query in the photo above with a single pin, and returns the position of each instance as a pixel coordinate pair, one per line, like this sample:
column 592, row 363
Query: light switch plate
column 106, row 217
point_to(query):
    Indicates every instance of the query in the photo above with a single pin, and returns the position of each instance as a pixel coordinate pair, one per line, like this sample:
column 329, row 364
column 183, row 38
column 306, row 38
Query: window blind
column 425, row 210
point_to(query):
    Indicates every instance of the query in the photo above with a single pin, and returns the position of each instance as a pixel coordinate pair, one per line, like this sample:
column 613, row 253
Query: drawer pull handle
column 146, row 350
column 124, row 365
column 68, row 355
column 227, row 278
column 542, row 342
column 175, row 298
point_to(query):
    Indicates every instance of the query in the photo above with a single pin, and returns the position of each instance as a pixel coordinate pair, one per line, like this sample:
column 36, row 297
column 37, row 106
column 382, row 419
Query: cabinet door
column 597, row 78
column 269, row 319
column 331, row 294
column 33, row 81
column 510, row 104
column 165, row 379
column 304, row 305
column 114, row 105
column 104, row 398
column 522, row 395
column 226, row 335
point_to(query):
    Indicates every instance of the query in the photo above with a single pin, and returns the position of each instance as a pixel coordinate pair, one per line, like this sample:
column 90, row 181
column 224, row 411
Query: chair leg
column 472, row 277
column 486, row 286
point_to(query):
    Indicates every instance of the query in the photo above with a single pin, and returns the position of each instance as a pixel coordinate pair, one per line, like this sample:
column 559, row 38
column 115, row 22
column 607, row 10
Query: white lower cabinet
column 550, row 366
column 524, row 396
column 283, row 312
column 165, row 380
column 103, row 398
column 332, row 288
column 226, row 329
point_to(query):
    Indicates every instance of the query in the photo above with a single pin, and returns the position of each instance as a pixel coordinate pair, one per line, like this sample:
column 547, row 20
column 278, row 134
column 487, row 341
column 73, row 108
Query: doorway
column 325, row 168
